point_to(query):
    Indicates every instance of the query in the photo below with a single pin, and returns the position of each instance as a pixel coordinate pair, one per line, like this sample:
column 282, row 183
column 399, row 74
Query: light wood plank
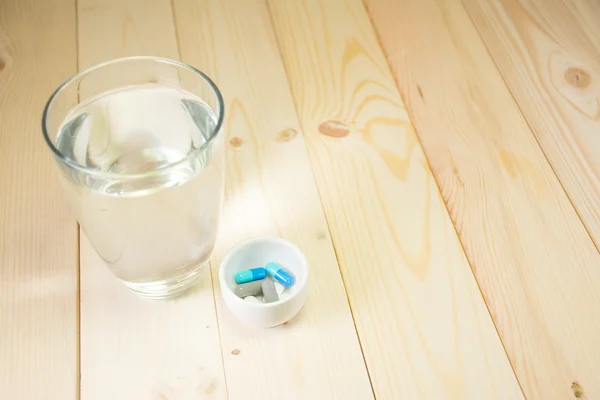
column 271, row 190
column 38, row 237
column 133, row 348
column 423, row 324
column 549, row 55
column 534, row 261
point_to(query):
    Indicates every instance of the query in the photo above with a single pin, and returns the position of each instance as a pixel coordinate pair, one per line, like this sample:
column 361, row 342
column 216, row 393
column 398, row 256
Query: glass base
column 168, row 288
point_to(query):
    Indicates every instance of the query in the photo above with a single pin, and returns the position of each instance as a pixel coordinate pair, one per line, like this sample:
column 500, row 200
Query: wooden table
column 436, row 160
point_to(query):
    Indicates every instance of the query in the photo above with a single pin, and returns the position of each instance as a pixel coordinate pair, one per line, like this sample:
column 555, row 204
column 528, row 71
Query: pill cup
column 258, row 252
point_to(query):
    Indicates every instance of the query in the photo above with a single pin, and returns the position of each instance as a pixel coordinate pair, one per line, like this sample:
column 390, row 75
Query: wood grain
column 535, row 263
column 271, row 191
column 549, row 54
column 133, row 348
column 38, row 237
column 423, row 325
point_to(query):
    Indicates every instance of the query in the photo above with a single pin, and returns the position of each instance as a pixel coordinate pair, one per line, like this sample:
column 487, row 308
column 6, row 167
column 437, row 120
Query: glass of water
column 138, row 145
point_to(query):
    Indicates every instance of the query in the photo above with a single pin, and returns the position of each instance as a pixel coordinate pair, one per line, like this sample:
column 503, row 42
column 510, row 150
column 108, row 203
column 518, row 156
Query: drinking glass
column 137, row 142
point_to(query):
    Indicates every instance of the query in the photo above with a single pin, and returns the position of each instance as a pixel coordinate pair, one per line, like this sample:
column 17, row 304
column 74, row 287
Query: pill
column 248, row 289
column 279, row 287
column 252, row 299
column 250, row 275
column 268, row 290
column 279, row 274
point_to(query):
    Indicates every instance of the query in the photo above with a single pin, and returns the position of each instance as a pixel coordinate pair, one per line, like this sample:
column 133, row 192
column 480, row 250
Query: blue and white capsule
column 279, row 274
column 250, row 275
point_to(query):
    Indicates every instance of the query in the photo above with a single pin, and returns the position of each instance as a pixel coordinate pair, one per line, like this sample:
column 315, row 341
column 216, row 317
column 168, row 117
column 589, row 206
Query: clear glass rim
column 95, row 172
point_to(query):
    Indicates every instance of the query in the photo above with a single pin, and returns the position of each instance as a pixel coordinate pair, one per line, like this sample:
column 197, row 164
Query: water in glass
column 142, row 140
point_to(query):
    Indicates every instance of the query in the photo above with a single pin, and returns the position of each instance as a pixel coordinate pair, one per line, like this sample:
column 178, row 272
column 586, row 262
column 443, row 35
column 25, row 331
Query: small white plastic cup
column 255, row 253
